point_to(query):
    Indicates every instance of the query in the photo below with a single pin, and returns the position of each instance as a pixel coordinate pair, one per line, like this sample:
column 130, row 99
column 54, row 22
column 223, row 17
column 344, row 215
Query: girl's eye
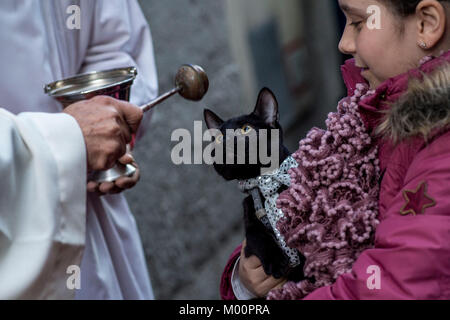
column 356, row 24
column 219, row 139
column 246, row 129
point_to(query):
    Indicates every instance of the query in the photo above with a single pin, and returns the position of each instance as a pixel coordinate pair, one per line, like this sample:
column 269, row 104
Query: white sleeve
column 239, row 290
column 120, row 38
column 42, row 204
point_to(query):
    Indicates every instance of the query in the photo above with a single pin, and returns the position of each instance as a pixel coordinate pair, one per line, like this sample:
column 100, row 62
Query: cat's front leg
column 262, row 243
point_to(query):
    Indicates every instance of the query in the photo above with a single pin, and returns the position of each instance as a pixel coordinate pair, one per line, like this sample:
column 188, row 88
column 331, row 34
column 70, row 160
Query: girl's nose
column 347, row 43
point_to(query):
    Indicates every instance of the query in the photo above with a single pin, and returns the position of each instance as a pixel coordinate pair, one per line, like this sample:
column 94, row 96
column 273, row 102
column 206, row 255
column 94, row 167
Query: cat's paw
column 277, row 266
column 263, row 245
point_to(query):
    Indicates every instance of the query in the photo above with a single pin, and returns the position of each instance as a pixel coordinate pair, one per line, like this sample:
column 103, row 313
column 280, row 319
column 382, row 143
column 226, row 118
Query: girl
column 399, row 85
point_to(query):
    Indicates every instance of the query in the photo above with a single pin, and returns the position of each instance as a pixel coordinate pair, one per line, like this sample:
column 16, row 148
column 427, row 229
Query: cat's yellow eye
column 219, row 139
column 246, row 129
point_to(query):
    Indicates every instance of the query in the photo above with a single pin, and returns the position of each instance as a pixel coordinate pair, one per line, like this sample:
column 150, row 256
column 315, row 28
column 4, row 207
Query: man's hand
column 120, row 184
column 107, row 125
column 253, row 277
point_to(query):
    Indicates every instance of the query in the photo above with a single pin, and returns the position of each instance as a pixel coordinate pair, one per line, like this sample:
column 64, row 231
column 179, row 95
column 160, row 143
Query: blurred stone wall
column 189, row 218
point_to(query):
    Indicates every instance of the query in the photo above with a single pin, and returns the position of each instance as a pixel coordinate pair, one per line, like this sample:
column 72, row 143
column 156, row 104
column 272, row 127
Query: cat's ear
column 212, row 120
column 267, row 107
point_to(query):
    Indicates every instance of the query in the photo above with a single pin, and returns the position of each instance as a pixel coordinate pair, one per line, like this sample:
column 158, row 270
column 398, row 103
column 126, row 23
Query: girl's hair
column 405, row 8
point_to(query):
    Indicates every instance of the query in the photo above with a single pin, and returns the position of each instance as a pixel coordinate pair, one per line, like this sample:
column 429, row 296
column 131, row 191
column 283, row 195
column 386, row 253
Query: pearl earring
column 423, row 45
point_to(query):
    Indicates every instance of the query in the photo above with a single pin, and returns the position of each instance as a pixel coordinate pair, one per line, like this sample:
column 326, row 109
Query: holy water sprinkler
column 191, row 82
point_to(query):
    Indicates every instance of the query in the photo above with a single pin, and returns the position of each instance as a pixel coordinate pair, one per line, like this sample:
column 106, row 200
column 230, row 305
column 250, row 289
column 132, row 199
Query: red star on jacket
column 417, row 200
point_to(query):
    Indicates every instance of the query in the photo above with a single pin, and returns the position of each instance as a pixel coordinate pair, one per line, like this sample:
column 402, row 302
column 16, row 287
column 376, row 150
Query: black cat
column 261, row 240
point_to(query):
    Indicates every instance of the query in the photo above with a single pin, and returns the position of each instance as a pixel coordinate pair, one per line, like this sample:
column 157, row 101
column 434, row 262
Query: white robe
column 42, row 207
column 36, row 48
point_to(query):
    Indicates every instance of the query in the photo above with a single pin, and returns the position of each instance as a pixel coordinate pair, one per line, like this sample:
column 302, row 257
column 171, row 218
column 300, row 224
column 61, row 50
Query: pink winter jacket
column 411, row 255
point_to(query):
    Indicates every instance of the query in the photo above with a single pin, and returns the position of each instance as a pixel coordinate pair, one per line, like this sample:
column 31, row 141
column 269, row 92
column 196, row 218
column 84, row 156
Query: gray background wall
column 189, row 218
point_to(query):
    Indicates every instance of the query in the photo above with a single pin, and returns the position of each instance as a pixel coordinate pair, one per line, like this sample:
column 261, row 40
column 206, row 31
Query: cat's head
column 248, row 131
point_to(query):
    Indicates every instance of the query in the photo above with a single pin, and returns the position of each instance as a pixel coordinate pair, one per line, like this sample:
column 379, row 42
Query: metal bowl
column 115, row 83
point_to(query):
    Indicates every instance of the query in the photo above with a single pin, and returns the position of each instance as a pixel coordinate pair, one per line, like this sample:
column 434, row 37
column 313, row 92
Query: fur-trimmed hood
column 411, row 104
column 423, row 108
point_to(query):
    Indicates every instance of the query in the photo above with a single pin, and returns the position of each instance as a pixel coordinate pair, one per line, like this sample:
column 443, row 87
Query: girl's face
column 381, row 50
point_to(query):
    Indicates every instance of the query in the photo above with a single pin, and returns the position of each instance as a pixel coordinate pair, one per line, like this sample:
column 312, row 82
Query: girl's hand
column 120, row 184
column 253, row 277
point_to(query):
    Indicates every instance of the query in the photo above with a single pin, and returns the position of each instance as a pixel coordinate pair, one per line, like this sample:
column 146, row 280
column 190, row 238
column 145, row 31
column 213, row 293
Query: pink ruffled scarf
column 330, row 210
